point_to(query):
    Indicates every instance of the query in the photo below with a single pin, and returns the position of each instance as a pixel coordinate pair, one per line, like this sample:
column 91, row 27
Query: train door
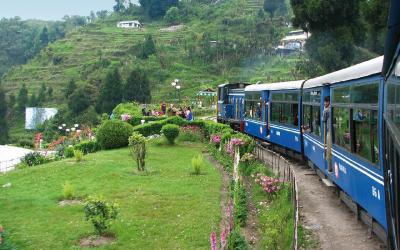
column 326, row 125
column 391, row 146
column 267, row 118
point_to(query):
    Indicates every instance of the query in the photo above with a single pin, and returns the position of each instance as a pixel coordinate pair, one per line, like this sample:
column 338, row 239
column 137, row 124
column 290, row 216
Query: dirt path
column 251, row 232
column 330, row 220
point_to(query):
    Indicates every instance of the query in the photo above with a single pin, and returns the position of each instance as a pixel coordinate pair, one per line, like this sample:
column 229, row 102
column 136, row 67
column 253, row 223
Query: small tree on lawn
column 171, row 132
column 100, row 213
column 137, row 143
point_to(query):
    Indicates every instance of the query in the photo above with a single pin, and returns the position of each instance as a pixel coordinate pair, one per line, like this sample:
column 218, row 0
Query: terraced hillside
column 87, row 53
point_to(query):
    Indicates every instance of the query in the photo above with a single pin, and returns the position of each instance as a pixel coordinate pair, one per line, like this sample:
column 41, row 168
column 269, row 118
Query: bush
column 132, row 109
column 69, row 152
column 190, row 133
column 88, row 147
column 236, row 241
column 25, row 143
column 68, row 191
column 100, row 213
column 197, row 164
column 154, row 128
column 114, row 134
column 171, row 132
column 137, row 120
column 78, row 155
column 137, row 143
column 240, row 197
column 34, row 159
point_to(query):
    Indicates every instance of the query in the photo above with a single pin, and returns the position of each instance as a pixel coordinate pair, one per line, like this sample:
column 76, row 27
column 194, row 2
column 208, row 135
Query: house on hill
column 293, row 42
column 135, row 24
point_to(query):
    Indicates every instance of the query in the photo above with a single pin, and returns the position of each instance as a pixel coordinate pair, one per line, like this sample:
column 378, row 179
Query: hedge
column 136, row 120
column 114, row 134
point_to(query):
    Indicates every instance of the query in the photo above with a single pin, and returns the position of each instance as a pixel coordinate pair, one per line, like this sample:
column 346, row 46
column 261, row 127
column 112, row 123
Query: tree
column 102, row 14
column 42, row 94
column 271, row 6
column 33, row 101
column 22, row 99
column 44, row 37
column 3, row 118
column 336, row 28
column 70, row 88
column 119, row 6
column 172, row 16
column 148, row 48
column 137, row 87
column 78, row 101
column 50, row 92
column 157, row 8
column 110, row 93
column 11, row 101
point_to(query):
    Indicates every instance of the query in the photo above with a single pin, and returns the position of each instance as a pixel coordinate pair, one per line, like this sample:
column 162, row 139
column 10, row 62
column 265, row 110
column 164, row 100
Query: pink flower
column 126, row 117
column 213, row 240
column 224, row 236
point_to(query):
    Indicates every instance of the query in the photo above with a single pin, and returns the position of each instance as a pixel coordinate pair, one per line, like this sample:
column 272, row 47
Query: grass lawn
column 167, row 209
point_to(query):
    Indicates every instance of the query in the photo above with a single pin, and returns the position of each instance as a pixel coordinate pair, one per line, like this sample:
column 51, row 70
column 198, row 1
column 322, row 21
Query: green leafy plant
column 69, row 152
column 100, row 213
column 236, row 241
column 88, row 147
column 137, row 144
column 68, row 191
column 197, row 164
column 240, row 204
column 78, row 155
column 171, row 132
column 114, row 134
column 34, row 159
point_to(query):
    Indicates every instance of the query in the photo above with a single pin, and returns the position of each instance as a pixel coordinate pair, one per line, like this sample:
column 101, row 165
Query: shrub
column 114, row 134
column 33, row 159
column 88, row 147
column 68, row 191
column 236, row 240
column 78, row 155
column 69, row 152
column 137, row 143
column 154, row 128
column 240, row 202
column 197, row 164
column 100, row 213
column 190, row 133
column 171, row 132
column 132, row 109
column 25, row 143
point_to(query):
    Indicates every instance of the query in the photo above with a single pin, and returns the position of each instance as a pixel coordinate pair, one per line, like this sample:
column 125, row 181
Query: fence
column 9, row 165
column 283, row 169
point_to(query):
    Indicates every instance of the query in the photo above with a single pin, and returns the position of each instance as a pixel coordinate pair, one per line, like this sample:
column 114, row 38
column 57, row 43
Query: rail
column 9, row 165
column 283, row 169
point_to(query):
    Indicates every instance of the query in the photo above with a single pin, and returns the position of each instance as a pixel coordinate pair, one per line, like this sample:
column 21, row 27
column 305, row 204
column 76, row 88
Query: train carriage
column 225, row 107
column 391, row 126
column 273, row 113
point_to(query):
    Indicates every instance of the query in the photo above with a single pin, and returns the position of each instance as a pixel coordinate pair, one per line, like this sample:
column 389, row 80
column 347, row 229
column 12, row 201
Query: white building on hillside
column 135, row 24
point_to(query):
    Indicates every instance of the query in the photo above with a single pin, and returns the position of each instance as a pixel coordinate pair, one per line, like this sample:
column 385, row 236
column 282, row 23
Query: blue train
column 346, row 124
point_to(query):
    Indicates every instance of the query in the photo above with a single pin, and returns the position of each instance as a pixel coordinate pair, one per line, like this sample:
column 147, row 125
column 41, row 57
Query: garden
column 146, row 186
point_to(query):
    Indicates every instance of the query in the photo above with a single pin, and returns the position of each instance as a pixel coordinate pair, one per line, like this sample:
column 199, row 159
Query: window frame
column 351, row 107
column 251, row 97
column 312, row 104
column 273, row 102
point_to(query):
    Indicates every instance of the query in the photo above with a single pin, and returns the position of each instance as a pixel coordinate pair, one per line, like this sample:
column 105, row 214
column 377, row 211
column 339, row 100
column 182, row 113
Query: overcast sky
column 51, row 9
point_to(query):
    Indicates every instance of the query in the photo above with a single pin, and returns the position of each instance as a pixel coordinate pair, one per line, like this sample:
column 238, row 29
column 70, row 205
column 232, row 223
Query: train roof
column 357, row 71
column 292, row 85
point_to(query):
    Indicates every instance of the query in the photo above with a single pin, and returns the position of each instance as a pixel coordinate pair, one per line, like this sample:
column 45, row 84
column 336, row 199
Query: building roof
column 292, row 85
column 358, row 71
column 132, row 21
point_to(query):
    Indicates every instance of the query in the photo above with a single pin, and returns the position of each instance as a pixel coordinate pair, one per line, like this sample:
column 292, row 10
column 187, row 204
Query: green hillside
column 243, row 43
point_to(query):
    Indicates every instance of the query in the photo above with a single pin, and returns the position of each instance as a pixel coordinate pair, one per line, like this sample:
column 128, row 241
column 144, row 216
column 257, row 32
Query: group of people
column 185, row 113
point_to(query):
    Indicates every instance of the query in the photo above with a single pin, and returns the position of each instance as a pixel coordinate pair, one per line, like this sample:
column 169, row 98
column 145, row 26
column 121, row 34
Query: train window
column 341, row 127
column 366, row 134
column 355, row 120
column 312, row 112
column 341, row 95
column 365, row 94
column 253, row 106
column 284, row 108
column 393, row 103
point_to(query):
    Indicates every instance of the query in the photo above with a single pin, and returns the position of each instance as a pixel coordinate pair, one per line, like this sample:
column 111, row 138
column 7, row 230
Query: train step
column 328, row 183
